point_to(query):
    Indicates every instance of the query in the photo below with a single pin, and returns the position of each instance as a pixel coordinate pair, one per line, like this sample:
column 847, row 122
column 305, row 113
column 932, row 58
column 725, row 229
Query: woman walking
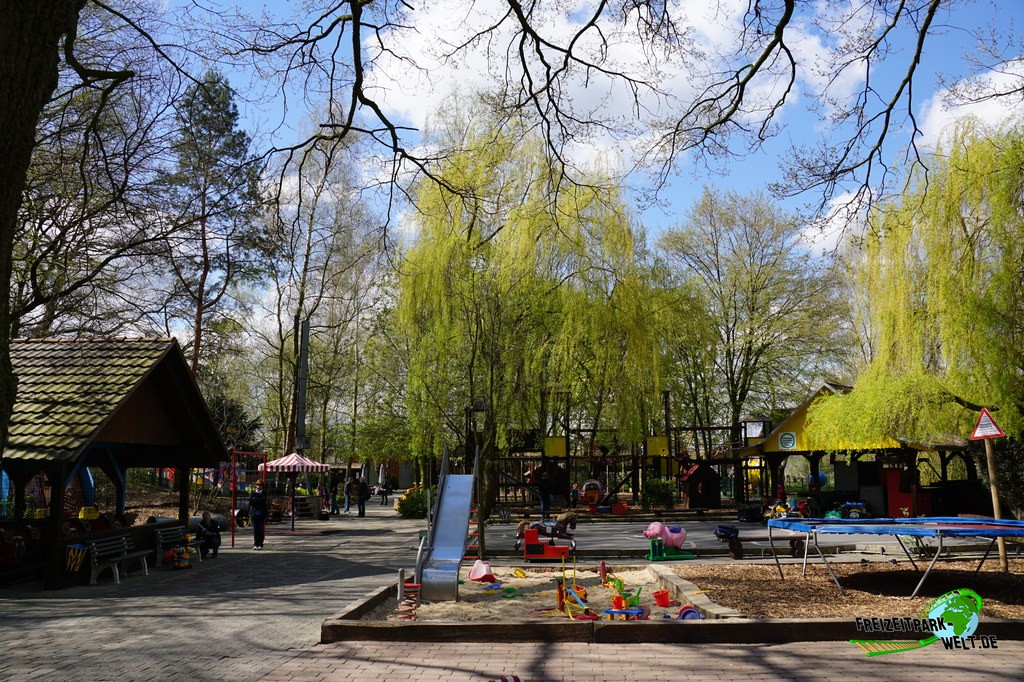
column 258, row 511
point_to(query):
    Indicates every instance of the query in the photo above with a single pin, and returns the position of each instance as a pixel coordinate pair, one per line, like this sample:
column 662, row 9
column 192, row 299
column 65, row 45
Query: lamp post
column 478, row 416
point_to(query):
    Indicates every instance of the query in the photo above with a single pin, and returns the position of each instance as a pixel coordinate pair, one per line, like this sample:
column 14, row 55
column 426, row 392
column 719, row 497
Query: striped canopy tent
column 292, row 465
column 295, row 464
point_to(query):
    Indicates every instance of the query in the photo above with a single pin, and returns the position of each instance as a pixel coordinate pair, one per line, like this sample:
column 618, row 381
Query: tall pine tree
column 214, row 196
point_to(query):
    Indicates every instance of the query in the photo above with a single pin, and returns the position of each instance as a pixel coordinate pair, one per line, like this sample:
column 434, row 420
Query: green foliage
column 413, row 505
column 750, row 319
column 238, row 430
column 659, row 493
column 940, row 277
column 516, row 286
column 213, row 195
column 941, row 268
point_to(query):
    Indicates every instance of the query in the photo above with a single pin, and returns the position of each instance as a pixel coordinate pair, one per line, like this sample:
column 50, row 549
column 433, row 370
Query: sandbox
column 530, row 614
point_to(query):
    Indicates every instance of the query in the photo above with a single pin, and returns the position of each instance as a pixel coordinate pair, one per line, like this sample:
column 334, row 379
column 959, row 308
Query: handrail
column 420, row 559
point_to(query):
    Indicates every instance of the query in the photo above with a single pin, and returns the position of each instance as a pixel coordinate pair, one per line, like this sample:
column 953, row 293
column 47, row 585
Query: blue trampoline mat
column 945, row 526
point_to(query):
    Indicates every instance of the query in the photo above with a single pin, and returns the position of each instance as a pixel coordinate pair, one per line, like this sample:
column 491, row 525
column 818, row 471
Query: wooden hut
column 107, row 404
column 700, row 486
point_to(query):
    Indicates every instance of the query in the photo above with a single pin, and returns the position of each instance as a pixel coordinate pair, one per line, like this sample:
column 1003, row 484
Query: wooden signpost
column 986, row 429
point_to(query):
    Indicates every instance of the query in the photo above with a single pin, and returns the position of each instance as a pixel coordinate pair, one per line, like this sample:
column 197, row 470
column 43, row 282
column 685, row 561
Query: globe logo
column 959, row 611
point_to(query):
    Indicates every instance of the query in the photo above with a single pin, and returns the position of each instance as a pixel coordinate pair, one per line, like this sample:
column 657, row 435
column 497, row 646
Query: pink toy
column 673, row 536
column 481, row 572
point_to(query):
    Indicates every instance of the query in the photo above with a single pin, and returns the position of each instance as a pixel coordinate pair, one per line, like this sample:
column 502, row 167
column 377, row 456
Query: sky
column 412, row 96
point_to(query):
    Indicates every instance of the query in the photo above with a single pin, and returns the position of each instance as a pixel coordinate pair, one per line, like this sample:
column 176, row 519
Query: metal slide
column 439, row 575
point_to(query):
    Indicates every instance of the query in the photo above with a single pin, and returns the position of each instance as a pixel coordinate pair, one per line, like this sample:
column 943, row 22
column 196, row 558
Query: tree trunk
column 30, row 34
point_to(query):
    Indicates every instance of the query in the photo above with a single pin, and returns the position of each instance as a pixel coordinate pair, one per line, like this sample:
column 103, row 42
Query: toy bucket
column 662, row 598
column 633, row 601
column 618, row 602
column 689, row 613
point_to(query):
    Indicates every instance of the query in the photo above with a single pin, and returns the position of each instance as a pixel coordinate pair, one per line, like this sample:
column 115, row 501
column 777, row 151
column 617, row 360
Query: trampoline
column 939, row 527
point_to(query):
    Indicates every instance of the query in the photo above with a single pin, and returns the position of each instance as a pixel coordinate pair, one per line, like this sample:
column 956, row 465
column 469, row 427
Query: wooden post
column 990, row 459
column 183, row 474
column 53, row 577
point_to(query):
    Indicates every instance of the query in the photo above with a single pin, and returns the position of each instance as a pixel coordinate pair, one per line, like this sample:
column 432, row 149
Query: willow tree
column 485, row 292
column 605, row 351
column 942, row 267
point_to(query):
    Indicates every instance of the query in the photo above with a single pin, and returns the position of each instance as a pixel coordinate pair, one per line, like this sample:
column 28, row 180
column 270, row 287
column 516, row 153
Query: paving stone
column 256, row 615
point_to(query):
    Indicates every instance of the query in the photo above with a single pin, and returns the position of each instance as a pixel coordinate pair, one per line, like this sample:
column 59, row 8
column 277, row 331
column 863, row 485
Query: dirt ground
column 145, row 501
column 872, row 589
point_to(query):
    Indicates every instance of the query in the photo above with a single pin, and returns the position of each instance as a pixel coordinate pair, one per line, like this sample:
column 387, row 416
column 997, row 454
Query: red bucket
column 662, row 598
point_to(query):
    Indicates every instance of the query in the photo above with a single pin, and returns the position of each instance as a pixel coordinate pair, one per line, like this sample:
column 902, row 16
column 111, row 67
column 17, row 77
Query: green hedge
column 414, row 504
column 659, row 492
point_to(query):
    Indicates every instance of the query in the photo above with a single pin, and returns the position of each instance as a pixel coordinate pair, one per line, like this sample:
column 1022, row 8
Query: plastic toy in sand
column 689, row 613
column 664, row 598
column 481, row 572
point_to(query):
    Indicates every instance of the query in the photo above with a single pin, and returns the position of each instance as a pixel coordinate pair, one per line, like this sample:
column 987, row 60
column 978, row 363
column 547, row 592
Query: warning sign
column 986, row 427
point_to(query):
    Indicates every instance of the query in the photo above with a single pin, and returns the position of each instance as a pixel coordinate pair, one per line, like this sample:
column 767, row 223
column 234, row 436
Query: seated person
column 209, row 535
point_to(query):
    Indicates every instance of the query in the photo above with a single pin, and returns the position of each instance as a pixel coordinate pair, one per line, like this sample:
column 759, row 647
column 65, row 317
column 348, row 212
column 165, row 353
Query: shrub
column 413, row 505
column 659, row 492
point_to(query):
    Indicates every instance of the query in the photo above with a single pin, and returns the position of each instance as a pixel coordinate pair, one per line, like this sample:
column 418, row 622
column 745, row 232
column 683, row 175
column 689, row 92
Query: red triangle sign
column 986, row 427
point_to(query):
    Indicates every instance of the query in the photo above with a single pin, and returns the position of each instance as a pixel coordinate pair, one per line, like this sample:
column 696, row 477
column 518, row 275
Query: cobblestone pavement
column 644, row 662
column 256, row 615
column 236, row 617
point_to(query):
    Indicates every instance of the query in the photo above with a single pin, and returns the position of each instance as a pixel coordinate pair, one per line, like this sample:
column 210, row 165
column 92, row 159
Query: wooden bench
column 112, row 552
column 174, row 537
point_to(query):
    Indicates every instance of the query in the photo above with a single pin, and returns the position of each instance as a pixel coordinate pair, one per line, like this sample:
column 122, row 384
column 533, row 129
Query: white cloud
column 844, row 219
column 947, row 107
column 446, row 47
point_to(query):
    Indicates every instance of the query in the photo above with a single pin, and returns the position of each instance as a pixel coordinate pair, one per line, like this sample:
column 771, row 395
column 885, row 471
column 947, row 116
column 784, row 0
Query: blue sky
column 411, row 96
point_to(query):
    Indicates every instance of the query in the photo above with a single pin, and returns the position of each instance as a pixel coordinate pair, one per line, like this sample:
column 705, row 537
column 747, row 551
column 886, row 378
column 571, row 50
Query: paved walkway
column 644, row 662
column 256, row 615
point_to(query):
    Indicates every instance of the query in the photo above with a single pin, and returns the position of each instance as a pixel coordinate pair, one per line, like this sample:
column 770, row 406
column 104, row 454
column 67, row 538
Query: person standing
column 259, row 509
column 362, row 494
column 350, row 485
column 335, row 509
column 543, row 490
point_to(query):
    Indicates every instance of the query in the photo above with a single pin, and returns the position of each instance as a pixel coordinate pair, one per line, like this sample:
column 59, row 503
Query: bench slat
column 110, row 552
column 171, row 537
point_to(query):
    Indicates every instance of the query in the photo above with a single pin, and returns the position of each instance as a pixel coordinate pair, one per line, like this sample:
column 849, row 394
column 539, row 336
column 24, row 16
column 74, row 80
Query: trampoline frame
column 938, row 527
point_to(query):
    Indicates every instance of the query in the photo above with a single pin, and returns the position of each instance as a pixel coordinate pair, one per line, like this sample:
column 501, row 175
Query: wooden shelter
column 889, row 483
column 108, row 404
column 700, row 486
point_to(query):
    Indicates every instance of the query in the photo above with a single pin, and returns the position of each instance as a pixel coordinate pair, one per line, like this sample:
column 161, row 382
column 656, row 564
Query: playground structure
column 696, row 458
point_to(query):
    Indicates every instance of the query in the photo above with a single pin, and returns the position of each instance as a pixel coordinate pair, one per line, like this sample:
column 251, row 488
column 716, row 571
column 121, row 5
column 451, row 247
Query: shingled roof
column 70, row 389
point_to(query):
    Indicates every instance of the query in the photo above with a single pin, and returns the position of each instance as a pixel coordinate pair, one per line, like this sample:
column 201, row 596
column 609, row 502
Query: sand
column 535, row 595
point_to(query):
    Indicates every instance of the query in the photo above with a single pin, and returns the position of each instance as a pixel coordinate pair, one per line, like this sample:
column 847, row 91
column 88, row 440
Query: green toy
column 659, row 552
